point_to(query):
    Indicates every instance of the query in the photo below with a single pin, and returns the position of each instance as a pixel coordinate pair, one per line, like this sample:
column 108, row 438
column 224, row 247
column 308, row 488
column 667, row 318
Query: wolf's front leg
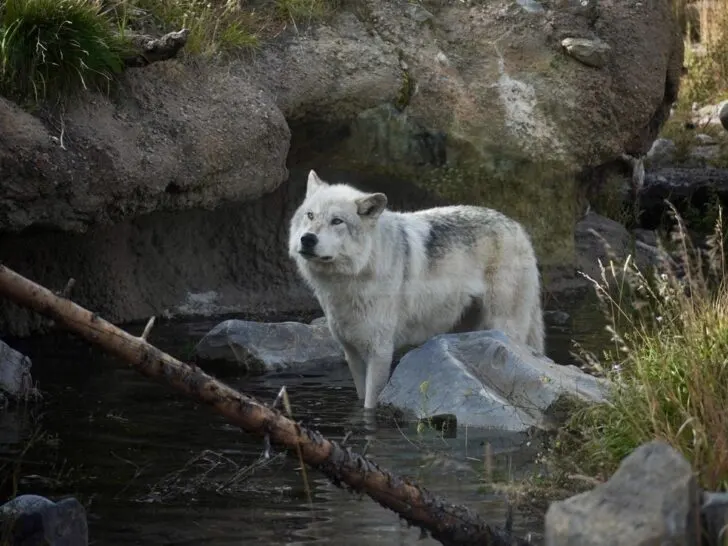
column 357, row 367
column 379, row 364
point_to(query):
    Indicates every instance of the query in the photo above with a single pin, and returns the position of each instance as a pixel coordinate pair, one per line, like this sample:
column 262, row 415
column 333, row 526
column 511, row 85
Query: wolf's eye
column 310, row 215
column 336, row 221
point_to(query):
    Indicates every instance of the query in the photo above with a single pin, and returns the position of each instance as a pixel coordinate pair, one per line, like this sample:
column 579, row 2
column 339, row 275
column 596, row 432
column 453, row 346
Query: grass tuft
column 668, row 363
column 51, row 48
column 305, row 11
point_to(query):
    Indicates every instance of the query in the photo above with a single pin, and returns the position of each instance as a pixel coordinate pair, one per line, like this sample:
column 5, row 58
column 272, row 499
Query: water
column 123, row 445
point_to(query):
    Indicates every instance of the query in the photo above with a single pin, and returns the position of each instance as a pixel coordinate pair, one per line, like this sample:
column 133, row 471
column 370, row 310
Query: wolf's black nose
column 308, row 240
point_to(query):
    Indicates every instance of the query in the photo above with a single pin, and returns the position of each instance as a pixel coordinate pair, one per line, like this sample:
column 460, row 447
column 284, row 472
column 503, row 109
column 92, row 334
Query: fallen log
column 450, row 524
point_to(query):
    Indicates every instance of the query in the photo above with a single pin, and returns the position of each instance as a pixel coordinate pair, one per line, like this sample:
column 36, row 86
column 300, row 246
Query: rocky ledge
column 178, row 186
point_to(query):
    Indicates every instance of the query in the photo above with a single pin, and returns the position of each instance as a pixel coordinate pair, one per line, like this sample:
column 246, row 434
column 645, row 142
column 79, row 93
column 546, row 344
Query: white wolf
column 389, row 279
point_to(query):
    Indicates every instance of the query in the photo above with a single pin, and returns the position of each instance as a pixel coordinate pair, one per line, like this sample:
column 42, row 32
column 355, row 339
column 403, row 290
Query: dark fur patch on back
column 447, row 233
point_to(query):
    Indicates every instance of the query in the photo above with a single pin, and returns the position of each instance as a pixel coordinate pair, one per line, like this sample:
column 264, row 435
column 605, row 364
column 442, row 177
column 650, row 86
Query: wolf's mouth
column 313, row 256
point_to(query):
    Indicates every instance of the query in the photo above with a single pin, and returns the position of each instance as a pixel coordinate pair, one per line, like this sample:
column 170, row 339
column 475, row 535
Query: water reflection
column 124, row 446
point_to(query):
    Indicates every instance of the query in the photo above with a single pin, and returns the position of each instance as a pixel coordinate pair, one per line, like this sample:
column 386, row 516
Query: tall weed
column 668, row 361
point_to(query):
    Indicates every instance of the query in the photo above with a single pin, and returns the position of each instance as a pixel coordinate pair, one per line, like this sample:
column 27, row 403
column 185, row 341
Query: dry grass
column 668, row 363
column 220, row 27
column 707, row 66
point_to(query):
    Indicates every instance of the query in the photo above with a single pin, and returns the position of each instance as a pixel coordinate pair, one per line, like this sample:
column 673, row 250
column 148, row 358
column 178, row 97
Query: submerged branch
column 448, row 523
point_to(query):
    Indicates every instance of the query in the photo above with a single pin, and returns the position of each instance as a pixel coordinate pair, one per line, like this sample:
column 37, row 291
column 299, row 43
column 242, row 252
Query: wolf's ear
column 314, row 183
column 372, row 205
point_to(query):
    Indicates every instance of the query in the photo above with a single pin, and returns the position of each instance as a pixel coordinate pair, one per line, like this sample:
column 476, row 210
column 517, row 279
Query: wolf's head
column 334, row 226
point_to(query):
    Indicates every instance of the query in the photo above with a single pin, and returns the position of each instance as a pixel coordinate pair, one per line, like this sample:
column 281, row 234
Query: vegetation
column 706, row 79
column 215, row 27
column 668, row 363
column 50, row 48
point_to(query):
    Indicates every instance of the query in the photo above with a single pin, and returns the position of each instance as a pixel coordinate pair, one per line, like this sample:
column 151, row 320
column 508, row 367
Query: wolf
column 386, row 279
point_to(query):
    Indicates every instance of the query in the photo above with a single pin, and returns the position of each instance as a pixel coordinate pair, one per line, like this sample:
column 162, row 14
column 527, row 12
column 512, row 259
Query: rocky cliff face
column 178, row 183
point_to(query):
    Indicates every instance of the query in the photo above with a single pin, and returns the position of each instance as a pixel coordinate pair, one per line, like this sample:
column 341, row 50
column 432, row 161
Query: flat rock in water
column 652, row 499
column 15, row 378
column 486, row 380
column 263, row 346
column 38, row 520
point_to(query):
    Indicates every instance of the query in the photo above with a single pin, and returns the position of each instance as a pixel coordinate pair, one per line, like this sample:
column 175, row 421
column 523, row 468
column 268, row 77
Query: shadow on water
column 120, row 443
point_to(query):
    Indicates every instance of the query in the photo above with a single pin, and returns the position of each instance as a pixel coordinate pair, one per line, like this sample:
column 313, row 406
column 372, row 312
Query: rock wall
column 178, row 182
column 195, row 262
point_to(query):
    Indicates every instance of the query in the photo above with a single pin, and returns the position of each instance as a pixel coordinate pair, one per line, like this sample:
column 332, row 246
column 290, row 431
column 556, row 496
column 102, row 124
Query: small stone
column 557, row 318
column 661, row 153
column 651, row 499
column 32, row 519
column 705, row 140
column 418, row 14
column 647, row 236
column 714, row 512
column 531, row 6
column 15, row 378
column 593, row 53
column 723, row 116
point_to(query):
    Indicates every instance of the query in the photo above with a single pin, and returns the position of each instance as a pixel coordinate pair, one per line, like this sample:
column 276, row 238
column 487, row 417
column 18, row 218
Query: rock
column 531, row 6
column 600, row 238
column 646, row 236
column 714, row 515
column 557, row 318
column 172, row 145
column 590, row 52
column 261, row 347
column 687, row 189
column 15, row 380
column 596, row 238
column 662, row 153
column 705, row 140
column 709, row 114
column 319, row 321
column 723, row 115
column 652, row 499
column 485, row 380
column 37, row 520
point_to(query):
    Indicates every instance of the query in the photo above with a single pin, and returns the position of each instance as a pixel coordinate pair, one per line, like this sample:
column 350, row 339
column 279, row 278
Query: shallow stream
column 154, row 468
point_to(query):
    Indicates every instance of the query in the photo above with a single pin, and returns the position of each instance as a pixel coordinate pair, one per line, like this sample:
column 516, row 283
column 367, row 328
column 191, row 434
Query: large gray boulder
column 30, row 520
column 262, row 346
column 15, row 379
column 652, row 500
column 486, row 380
